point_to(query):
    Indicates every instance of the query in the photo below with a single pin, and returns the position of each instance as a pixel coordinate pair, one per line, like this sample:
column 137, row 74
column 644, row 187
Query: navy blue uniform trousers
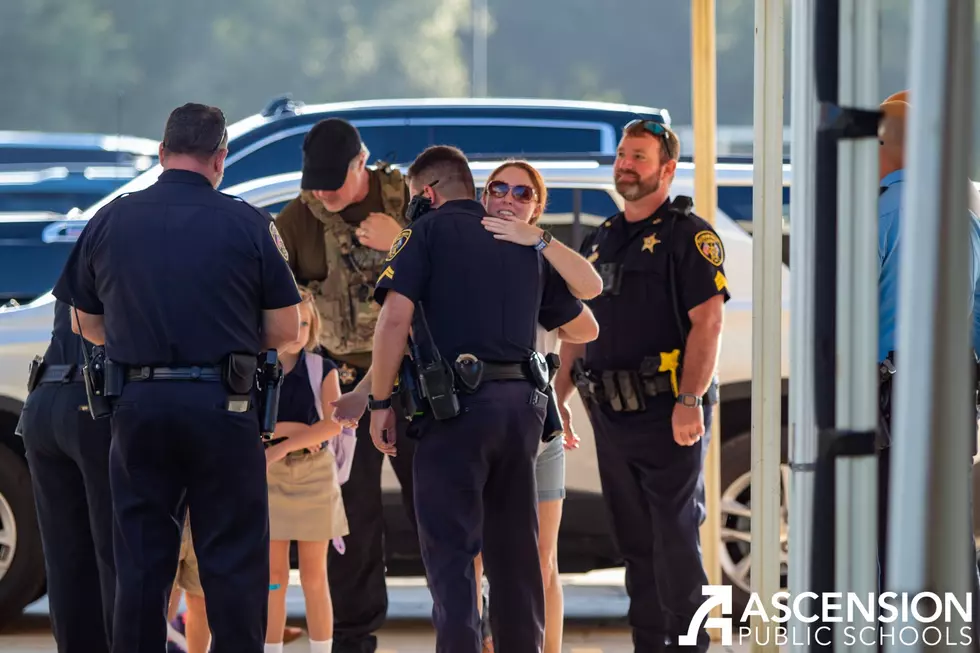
column 171, row 441
column 475, row 490
column 68, row 455
column 652, row 489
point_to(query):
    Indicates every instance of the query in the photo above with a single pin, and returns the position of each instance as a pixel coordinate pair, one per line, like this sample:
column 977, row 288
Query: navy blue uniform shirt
column 181, row 272
column 640, row 321
column 296, row 400
column 65, row 347
column 481, row 296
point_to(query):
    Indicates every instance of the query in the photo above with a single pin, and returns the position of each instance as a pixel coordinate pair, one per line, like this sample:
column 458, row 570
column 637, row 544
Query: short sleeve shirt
column 181, row 272
column 480, row 295
column 641, row 320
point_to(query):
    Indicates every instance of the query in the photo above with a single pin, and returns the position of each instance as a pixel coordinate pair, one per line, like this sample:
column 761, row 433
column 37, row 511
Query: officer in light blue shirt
column 891, row 161
column 891, row 164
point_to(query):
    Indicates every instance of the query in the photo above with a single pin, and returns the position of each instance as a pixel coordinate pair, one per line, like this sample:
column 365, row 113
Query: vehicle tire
column 736, row 471
column 23, row 581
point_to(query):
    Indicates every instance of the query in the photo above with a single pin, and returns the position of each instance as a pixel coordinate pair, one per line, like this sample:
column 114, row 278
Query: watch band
column 544, row 242
column 378, row 404
column 689, row 400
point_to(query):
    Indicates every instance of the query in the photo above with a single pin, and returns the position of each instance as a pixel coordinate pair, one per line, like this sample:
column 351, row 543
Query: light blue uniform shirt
column 889, row 232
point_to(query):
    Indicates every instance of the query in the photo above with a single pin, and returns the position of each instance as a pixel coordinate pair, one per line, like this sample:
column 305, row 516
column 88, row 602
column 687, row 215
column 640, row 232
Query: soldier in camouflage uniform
column 338, row 233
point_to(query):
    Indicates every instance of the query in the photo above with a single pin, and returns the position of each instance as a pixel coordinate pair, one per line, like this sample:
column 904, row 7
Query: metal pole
column 825, row 70
column 803, row 425
column 857, row 319
column 705, row 123
column 480, row 48
column 766, row 310
column 933, row 419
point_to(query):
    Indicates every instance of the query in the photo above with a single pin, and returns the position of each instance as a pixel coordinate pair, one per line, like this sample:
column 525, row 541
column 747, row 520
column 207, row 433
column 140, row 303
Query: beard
column 632, row 188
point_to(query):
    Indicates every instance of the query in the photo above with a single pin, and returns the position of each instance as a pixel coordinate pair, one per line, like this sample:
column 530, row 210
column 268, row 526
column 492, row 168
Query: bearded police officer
column 184, row 286
column 647, row 380
column 337, row 233
column 478, row 302
column 68, row 454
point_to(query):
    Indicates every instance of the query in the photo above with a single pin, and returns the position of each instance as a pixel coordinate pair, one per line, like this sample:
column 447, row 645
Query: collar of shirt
column 891, row 199
column 632, row 227
column 471, row 207
column 183, row 177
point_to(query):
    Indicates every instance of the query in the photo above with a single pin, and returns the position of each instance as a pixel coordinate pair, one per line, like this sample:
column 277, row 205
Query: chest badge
column 649, row 242
column 347, row 374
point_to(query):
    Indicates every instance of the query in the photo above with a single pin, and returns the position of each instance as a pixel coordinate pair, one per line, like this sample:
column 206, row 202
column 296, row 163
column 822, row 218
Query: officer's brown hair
column 306, row 298
column 448, row 166
column 195, row 130
column 670, row 145
column 536, row 180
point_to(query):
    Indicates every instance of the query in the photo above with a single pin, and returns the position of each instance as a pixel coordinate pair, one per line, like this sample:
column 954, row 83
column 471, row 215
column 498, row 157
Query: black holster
column 886, row 374
column 553, row 426
column 405, row 399
column 94, row 376
column 268, row 380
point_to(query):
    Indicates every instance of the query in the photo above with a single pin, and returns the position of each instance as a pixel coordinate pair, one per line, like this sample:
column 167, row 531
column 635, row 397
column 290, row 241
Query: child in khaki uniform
column 305, row 504
column 197, row 633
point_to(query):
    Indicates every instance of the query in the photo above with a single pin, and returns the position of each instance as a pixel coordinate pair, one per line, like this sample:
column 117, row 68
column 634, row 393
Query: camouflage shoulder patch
column 399, row 243
column 281, row 246
column 710, row 247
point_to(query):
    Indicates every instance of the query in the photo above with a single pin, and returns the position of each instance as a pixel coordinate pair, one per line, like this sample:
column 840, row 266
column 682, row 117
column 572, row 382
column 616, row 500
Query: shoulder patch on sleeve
column 399, row 243
column 281, row 246
column 710, row 247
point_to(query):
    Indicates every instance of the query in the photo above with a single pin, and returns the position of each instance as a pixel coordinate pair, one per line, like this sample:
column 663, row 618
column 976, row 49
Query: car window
column 511, row 139
column 55, row 202
column 393, row 143
column 736, row 201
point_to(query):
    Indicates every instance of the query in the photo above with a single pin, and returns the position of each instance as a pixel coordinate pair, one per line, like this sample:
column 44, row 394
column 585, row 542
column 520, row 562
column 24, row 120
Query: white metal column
column 705, row 126
column 805, row 116
column 767, row 212
column 857, row 312
column 933, row 420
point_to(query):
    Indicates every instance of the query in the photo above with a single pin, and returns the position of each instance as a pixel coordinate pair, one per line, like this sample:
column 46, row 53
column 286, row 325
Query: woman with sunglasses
column 515, row 197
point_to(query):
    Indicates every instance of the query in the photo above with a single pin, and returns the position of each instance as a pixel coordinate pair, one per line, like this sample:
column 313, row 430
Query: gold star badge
column 649, row 242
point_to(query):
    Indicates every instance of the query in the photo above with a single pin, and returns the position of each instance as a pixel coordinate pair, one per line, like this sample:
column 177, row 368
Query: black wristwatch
column 378, row 404
column 691, row 401
column 544, row 242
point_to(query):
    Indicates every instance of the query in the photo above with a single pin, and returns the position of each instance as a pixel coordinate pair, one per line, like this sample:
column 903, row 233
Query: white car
column 576, row 189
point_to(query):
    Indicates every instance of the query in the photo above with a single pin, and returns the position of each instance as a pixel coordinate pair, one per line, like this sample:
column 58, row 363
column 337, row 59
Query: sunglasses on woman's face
column 521, row 193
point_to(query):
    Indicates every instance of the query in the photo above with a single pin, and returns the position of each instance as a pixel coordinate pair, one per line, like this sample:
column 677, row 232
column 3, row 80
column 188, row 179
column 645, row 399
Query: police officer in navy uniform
column 475, row 466
column 185, row 286
column 68, row 454
column 648, row 382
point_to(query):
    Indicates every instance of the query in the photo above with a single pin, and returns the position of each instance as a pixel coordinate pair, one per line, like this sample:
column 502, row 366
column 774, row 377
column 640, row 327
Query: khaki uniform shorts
column 305, row 503
column 188, row 575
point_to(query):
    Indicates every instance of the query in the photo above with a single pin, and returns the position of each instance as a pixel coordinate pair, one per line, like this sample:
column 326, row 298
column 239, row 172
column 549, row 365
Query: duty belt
column 506, row 372
column 194, row 373
column 626, row 390
column 60, row 374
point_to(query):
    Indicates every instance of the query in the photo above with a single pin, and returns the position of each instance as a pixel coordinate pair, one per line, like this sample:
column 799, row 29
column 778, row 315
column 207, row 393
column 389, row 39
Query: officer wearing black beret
column 480, row 430
column 185, row 286
column 648, row 380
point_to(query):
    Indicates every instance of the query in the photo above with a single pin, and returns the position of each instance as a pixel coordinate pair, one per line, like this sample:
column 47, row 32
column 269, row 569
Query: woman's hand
column 513, row 230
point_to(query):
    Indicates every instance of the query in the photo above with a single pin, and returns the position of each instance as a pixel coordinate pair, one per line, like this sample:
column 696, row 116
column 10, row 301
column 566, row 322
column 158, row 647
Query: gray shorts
column 549, row 471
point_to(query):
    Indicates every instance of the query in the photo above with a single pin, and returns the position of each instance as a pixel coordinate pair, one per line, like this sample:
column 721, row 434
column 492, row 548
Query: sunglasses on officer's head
column 655, row 127
column 523, row 194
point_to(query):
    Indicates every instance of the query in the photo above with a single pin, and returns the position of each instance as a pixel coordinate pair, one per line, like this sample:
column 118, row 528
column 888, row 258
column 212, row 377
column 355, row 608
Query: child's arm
column 301, row 436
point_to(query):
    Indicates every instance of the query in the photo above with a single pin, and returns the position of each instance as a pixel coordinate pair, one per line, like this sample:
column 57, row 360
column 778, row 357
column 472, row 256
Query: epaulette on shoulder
column 264, row 215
